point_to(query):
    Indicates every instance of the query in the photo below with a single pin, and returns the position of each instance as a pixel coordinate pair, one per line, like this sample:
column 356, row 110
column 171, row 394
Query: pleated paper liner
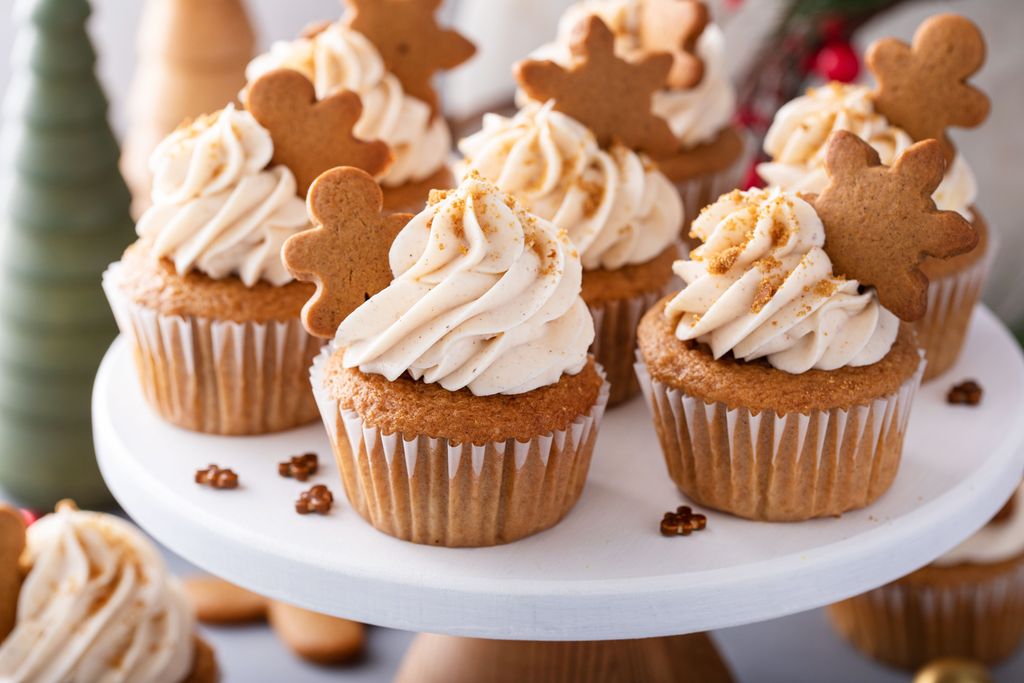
column 614, row 347
column 215, row 376
column 972, row 611
column 782, row 468
column 951, row 301
column 433, row 491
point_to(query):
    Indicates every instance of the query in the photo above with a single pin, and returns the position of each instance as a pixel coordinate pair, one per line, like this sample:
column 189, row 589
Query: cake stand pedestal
column 603, row 574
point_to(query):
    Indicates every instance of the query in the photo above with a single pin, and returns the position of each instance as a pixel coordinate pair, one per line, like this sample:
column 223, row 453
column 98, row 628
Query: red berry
column 30, row 516
column 837, row 61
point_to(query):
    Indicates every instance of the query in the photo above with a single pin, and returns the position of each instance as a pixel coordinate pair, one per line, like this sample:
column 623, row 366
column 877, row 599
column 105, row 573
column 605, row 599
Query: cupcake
column 698, row 100
column 364, row 54
column 796, row 144
column 612, row 200
column 96, row 603
column 202, row 296
column 969, row 603
column 780, row 378
column 460, row 401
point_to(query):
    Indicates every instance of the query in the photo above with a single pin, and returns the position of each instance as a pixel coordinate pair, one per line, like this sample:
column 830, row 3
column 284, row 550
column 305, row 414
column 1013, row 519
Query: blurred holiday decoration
column 953, row 671
column 64, row 217
column 192, row 59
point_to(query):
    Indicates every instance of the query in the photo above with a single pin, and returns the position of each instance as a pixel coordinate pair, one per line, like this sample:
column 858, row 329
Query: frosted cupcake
column 460, row 400
column 968, row 603
column 97, row 603
column 340, row 56
column 620, row 211
column 781, row 385
column 796, row 144
column 202, row 296
column 698, row 100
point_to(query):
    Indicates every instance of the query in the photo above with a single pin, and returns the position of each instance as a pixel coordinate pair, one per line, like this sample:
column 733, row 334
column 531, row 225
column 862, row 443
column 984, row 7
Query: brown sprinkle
column 966, row 393
column 300, row 467
column 217, row 477
column 682, row 522
column 318, row 499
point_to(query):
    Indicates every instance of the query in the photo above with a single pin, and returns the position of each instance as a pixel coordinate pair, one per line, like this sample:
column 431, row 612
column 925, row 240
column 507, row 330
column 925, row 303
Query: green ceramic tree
column 64, row 215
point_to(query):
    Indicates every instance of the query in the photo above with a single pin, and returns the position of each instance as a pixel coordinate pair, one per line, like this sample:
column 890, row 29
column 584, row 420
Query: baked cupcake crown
column 922, row 87
column 408, row 37
column 312, row 136
column 346, row 254
column 674, row 26
column 609, row 95
column 880, row 222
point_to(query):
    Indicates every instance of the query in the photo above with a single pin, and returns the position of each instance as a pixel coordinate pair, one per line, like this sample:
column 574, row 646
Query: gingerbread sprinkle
column 966, row 393
column 217, row 477
column 318, row 499
column 300, row 467
column 683, row 522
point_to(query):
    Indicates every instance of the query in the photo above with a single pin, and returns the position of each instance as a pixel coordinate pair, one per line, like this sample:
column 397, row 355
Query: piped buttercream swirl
column 762, row 286
column 797, row 143
column 617, row 207
column 485, row 296
column 97, row 605
column 339, row 58
column 217, row 208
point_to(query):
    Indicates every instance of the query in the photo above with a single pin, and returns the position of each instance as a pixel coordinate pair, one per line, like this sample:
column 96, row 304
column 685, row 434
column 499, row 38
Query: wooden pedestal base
column 677, row 659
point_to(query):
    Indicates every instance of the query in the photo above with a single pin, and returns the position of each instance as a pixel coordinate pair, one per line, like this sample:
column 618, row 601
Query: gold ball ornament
column 953, row 670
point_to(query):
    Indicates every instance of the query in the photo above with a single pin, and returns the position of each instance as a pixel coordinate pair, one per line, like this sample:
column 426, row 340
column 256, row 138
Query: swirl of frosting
column 215, row 208
column 339, row 58
column 796, row 142
column 97, row 605
column 761, row 286
column 486, row 296
column 616, row 206
column 997, row 541
column 696, row 115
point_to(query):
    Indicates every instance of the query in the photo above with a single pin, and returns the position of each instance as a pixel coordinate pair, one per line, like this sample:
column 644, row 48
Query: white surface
column 605, row 572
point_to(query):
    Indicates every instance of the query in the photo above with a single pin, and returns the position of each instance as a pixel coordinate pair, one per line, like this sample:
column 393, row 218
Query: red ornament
column 837, row 61
column 30, row 516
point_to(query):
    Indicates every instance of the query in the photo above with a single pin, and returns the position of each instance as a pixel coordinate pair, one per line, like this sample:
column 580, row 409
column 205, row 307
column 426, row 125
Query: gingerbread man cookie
column 346, row 254
column 674, row 26
column 608, row 94
column 312, row 136
column 408, row 37
column 922, row 87
column 880, row 222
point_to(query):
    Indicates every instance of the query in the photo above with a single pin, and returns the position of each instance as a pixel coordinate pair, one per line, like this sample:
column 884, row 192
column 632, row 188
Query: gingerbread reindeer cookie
column 346, row 254
column 609, row 95
column 408, row 37
column 674, row 26
column 880, row 222
column 922, row 87
column 312, row 136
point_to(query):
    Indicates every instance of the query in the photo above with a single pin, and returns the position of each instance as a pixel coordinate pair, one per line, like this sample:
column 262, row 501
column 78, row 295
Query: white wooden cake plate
column 604, row 573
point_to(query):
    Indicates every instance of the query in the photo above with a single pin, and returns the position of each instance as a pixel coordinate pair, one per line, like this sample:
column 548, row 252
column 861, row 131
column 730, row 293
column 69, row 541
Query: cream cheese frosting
column 796, row 142
column 217, row 208
column 617, row 207
column 994, row 542
column 98, row 605
column 485, row 296
column 339, row 58
column 696, row 115
column 762, row 286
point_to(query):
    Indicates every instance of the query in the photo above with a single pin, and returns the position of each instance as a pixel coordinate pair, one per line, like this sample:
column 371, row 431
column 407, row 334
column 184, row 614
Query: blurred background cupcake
column 968, row 603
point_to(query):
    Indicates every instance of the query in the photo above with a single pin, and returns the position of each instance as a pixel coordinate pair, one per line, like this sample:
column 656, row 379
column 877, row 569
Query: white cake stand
column 605, row 572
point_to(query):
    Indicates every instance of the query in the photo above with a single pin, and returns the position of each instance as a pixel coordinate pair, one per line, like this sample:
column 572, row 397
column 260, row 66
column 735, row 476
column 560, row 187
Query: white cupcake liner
column 614, row 347
column 771, row 467
column 436, row 491
column 912, row 621
column 218, row 376
column 951, row 301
